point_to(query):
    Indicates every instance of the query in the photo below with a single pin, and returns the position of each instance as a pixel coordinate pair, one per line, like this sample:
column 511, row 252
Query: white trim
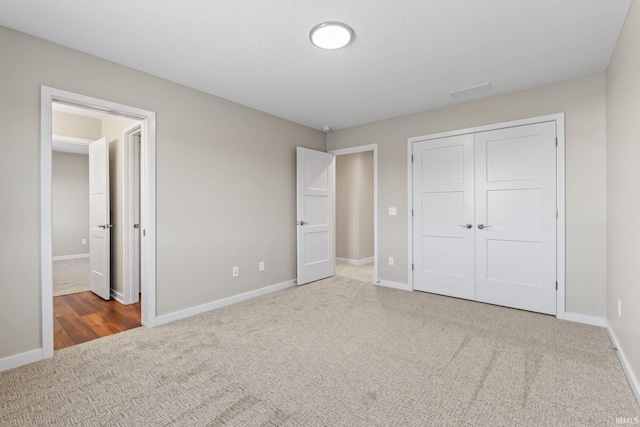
column 148, row 155
column 71, row 140
column 586, row 319
column 118, row 296
column 46, row 210
column 355, row 261
column 394, row 285
column 128, row 202
column 560, row 193
column 633, row 380
column 360, row 149
column 148, row 220
column 410, row 213
column 69, row 144
column 67, row 257
column 560, row 223
column 20, row 359
column 183, row 314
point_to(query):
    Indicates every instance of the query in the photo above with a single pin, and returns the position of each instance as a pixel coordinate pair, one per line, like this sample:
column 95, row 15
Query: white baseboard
column 118, row 296
column 20, row 359
column 182, row 314
column 633, row 380
column 586, row 319
column 66, row 257
column 354, row 261
column 394, row 285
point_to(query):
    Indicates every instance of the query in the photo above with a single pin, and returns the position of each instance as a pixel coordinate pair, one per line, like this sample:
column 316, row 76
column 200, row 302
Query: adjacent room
column 84, row 306
column 330, row 213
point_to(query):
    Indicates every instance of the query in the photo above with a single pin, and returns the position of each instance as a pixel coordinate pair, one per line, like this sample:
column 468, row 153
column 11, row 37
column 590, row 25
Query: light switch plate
column 392, row 211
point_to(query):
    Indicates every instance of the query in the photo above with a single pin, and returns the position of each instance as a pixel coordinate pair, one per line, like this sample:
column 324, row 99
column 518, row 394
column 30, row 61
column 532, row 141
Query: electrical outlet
column 84, row 241
column 235, row 271
column 261, row 266
column 391, row 260
column 392, row 211
column 619, row 307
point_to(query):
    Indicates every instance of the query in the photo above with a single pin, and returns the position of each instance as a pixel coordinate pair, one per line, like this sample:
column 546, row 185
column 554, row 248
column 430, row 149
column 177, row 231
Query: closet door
column 515, row 213
column 443, row 216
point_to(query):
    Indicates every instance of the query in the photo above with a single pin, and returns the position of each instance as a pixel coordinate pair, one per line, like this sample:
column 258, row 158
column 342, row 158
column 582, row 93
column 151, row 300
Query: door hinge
column 411, row 212
column 412, row 158
column 144, row 232
column 556, row 213
column 411, row 267
column 556, row 141
column 556, row 285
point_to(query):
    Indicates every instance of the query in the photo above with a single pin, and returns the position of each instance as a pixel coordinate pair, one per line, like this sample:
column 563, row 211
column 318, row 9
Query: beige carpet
column 335, row 352
column 70, row 276
column 356, row 272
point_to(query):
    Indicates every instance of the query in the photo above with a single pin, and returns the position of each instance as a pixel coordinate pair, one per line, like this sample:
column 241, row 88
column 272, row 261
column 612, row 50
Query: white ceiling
column 407, row 55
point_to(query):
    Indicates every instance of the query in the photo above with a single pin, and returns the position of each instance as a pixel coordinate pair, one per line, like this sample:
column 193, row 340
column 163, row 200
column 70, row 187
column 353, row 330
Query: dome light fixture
column 331, row 35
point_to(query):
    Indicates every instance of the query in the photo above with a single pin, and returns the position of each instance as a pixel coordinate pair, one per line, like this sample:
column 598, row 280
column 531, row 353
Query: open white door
column 315, row 178
column 99, row 223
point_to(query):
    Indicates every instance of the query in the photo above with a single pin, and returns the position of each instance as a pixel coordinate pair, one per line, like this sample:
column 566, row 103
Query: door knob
column 482, row 226
column 105, row 226
column 466, row 225
column 302, row 223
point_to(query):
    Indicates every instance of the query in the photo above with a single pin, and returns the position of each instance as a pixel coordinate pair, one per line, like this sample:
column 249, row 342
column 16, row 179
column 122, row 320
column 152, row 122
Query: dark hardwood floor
column 84, row 316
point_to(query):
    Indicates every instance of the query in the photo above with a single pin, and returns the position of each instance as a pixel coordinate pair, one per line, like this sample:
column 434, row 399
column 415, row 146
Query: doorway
column 356, row 213
column 88, row 291
column 146, row 123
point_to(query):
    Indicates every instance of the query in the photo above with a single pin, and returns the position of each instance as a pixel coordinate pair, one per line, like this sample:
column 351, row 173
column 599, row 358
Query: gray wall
column 583, row 101
column 623, row 196
column 354, row 206
column 70, row 186
column 225, row 183
column 70, row 202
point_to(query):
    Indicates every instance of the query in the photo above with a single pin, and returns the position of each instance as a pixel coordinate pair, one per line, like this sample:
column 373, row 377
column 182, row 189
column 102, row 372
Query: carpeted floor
column 70, row 276
column 356, row 272
column 335, row 352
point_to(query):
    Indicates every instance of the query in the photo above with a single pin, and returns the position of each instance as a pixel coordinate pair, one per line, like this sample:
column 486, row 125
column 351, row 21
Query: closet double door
column 484, row 216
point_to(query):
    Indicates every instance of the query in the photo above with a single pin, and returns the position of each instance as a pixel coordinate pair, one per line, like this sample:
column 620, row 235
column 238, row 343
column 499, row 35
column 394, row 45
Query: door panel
column 99, row 222
column 516, row 201
column 514, row 159
column 316, row 216
column 443, row 204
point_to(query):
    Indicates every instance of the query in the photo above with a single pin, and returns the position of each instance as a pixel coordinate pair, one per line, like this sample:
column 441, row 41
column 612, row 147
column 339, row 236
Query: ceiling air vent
column 486, row 87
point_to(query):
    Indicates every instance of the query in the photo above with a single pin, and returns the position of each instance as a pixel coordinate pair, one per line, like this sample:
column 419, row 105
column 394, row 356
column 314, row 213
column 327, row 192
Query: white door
column 516, row 217
column 503, row 184
column 100, row 226
column 443, row 230
column 315, row 184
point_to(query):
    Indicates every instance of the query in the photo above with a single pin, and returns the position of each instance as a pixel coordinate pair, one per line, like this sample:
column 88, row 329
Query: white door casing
column 516, row 206
column 131, row 206
column 136, row 216
column 99, row 218
column 512, row 179
column 315, row 188
column 443, row 216
column 147, row 205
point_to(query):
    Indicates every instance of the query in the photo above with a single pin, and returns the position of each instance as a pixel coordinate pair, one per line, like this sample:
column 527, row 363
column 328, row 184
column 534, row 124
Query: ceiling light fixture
column 331, row 35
